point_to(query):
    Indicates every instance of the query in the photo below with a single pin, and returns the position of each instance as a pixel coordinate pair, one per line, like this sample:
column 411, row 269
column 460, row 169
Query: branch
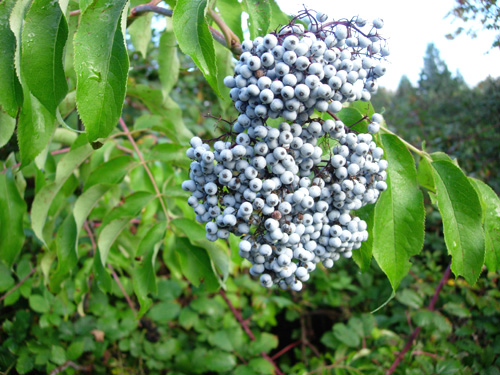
column 408, row 145
column 415, row 333
column 246, row 328
column 142, row 9
column 231, row 39
column 143, row 162
column 25, row 278
column 120, row 285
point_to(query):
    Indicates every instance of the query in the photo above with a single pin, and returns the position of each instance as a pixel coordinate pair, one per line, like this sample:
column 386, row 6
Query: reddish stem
column 248, row 331
column 415, row 333
column 25, row 278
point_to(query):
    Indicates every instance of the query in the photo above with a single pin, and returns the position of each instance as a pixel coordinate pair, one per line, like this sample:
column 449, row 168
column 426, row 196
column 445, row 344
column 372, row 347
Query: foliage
column 103, row 265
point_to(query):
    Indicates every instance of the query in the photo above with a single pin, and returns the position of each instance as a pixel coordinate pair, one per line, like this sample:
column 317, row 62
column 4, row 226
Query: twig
column 91, row 236
column 232, row 41
column 71, row 364
column 120, row 285
column 25, row 278
column 415, row 333
column 143, row 162
column 247, row 329
column 286, row 349
column 139, row 10
column 408, row 145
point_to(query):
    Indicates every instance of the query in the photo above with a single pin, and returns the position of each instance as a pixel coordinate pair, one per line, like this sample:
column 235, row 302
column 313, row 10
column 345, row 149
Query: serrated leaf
column 12, row 210
column 490, row 204
column 7, row 124
column 425, row 176
column 195, row 38
column 43, row 38
column 101, row 64
column 398, row 229
column 11, row 93
column 462, row 220
column 259, row 16
column 140, row 31
column 168, row 61
column 34, row 130
column 43, row 199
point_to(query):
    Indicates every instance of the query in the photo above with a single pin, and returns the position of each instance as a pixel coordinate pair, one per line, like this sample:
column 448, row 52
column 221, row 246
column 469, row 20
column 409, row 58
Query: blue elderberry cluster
column 288, row 192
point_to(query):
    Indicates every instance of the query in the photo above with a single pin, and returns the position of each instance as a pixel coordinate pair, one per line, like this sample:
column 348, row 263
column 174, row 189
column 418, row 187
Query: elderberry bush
column 288, row 192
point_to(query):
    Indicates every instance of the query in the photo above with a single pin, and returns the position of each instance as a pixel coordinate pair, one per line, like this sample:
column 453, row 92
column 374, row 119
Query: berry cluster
column 288, row 192
column 293, row 72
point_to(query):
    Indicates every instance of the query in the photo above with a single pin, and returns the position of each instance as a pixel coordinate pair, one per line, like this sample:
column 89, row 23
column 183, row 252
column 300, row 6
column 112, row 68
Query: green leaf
column 425, row 176
column 12, row 210
column 490, row 204
column 76, row 349
column 132, row 207
column 140, row 30
column 346, row 335
column 410, row 298
column 144, row 279
column 66, row 251
column 6, row 281
column 197, row 236
column 44, row 35
column 278, row 18
column 218, row 361
column 168, row 61
column 457, row 310
column 351, row 116
column 363, row 255
column 462, row 220
column 34, row 130
column 225, row 67
column 195, row 38
column 25, row 362
column 118, row 219
column 101, row 64
column 7, row 124
column 265, row 342
column 188, row 318
column 398, row 229
column 11, row 93
column 86, row 202
column 57, row 355
column 111, row 172
column 196, row 265
column 43, row 200
column 259, row 16
column 39, row 304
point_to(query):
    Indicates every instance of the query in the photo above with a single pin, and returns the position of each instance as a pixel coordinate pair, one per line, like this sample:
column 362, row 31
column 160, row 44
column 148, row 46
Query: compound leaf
column 462, row 220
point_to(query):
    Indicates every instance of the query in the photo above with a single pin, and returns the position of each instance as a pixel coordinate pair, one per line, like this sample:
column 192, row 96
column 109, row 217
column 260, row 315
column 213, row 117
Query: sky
column 409, row 26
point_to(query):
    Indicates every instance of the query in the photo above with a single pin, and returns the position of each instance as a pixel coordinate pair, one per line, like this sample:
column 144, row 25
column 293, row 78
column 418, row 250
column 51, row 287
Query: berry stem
column 408, row 145
column 415, row 333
